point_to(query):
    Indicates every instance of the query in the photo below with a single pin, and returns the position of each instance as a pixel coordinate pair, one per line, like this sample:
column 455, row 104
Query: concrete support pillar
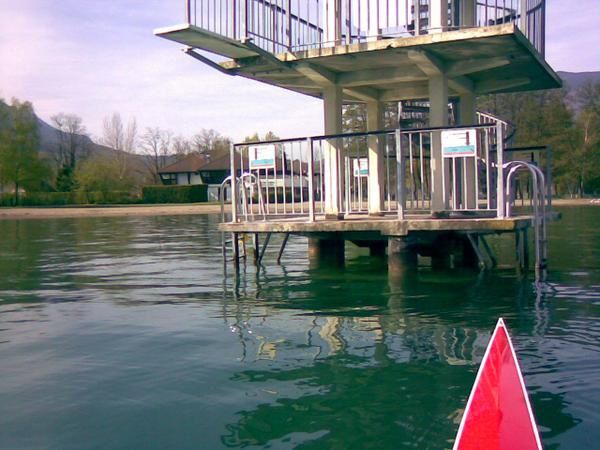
column 402, row 257
column 468, row 13
column 326, row 252
column 333, row 161
column 438, row 15
column 376, row 172
column 333, row 22
column 438, row 117
column 466, row 116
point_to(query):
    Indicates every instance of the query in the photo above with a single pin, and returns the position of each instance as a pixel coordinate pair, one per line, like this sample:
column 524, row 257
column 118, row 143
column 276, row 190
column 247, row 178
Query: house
column 198, row 169
column 184, row 171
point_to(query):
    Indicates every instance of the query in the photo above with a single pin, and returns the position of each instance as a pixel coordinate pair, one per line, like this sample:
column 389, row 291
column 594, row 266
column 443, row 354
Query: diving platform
column 426, row 187
column 483, row 60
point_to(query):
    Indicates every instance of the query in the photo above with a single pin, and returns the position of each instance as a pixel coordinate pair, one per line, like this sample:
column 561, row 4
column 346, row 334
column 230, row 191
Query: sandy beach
column 107, row 211
column 161, row 210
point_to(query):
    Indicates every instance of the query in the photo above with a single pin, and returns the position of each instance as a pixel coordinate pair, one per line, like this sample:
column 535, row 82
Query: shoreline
column 66, row 212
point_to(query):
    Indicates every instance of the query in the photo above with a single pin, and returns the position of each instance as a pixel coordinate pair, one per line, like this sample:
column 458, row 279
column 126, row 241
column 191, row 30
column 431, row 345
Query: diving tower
column 373, row 52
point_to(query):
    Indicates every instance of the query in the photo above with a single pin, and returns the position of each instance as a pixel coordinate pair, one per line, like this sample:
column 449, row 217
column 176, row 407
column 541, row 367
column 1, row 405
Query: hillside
column 49, row 139
column 574, row 80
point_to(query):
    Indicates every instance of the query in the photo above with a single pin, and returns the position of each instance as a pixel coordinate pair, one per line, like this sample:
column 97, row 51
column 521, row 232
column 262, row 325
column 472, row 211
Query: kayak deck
column 498, row 413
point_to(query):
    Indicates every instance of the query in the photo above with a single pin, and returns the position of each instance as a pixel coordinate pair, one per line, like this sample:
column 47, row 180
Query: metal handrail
column 539, row 209
column 281, row 26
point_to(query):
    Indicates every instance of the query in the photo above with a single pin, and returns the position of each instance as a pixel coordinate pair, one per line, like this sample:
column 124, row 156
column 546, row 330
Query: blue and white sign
column 360, row 167
column 261, row 156
column 459, row 143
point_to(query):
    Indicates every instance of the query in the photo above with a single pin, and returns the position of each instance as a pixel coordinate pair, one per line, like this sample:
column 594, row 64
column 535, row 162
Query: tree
column 121, row 138
column 20, row 164
column 181, row 146
column 210, row 143
column 101, row 174
column 269, row 136
column 71, row 146
column 155, row 144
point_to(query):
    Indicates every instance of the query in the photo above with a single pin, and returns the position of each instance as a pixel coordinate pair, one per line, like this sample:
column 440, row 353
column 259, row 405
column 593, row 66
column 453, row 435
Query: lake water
column 122, row 333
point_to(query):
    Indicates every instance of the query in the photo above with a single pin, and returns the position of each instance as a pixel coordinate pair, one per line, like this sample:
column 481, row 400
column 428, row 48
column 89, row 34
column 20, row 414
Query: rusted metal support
column 282, row 248
column 236, row 251
column 264, row 248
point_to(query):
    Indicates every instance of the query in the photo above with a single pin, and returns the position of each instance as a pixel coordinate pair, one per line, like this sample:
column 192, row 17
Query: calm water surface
column 124, row 333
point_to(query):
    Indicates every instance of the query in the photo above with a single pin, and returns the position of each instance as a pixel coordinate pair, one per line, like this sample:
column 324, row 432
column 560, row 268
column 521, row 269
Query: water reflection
column 288, row 356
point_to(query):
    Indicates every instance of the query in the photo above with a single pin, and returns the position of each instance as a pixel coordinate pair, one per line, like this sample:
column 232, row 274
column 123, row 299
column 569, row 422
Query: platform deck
column 382, row 226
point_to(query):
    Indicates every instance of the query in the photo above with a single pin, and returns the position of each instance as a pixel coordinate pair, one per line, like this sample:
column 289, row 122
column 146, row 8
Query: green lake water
column 124, row 333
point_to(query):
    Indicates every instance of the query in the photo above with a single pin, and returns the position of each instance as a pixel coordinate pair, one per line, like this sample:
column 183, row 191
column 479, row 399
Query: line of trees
column 568, row 121
column 69, row 161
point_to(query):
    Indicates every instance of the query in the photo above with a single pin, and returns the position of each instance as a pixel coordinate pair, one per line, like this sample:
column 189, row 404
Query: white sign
column 261, row 156
column 361, row 167
column 459, row 143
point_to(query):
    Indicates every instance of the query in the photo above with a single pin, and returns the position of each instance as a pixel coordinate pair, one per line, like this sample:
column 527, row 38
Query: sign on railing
column 261, row 156
column 459, row 143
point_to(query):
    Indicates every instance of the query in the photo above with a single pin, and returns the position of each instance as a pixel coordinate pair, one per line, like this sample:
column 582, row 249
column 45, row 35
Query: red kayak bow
column 498, row 413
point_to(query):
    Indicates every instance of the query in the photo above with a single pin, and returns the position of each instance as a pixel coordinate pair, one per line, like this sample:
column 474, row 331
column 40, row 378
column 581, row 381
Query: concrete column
column 402, row 257
column 468, row 13
column 438, row 117
column 333, row 22
column 326, row 252
column 467, row 116
column 333, row 162
column 376, row 172
column 438, row 15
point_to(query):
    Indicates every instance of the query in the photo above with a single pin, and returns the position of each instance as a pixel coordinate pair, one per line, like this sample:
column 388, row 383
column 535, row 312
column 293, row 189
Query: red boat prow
column 498, row 414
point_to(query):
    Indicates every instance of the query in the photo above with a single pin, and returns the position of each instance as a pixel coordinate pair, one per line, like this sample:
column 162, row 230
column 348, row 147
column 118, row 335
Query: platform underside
column 366, row 227
column 481, row 60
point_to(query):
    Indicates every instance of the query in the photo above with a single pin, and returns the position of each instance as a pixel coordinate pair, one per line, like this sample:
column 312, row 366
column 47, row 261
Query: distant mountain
column 574, row 80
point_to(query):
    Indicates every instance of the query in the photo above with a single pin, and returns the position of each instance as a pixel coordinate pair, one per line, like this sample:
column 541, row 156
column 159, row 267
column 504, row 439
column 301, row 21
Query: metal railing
column 300, row 177
column 292, row 25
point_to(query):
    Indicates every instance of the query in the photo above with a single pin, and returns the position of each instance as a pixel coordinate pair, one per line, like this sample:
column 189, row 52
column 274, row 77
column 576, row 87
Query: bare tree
column 121, row 138
column 71, row 138
column 181, row 146
column 210, row 143
column 156, row 145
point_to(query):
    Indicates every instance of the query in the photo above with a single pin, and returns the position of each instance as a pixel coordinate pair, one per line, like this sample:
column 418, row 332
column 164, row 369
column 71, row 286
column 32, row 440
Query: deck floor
column 384, row 226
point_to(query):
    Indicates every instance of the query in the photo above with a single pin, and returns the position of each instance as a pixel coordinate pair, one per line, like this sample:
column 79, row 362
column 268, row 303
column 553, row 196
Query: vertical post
column 243, row 20
column 400, row 174
column 417, row 16
column 332, row 100
column 438, row 15
column 500, row 200
column 375, row 158
column 466, row 116
column 523, row 17
column 438, row 117
column 549, row 177
column 333, row 21
column 236, row 251
column 288, row 22
column 311, row 181
column 188, row 11
column 374, row 31
column 234, row 185
column 468, row 13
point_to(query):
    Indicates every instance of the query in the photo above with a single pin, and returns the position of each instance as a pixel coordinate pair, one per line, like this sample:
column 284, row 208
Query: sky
column 96, row 57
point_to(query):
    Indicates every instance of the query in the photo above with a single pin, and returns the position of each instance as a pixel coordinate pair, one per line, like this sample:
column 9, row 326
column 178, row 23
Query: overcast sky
column 93, row 57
